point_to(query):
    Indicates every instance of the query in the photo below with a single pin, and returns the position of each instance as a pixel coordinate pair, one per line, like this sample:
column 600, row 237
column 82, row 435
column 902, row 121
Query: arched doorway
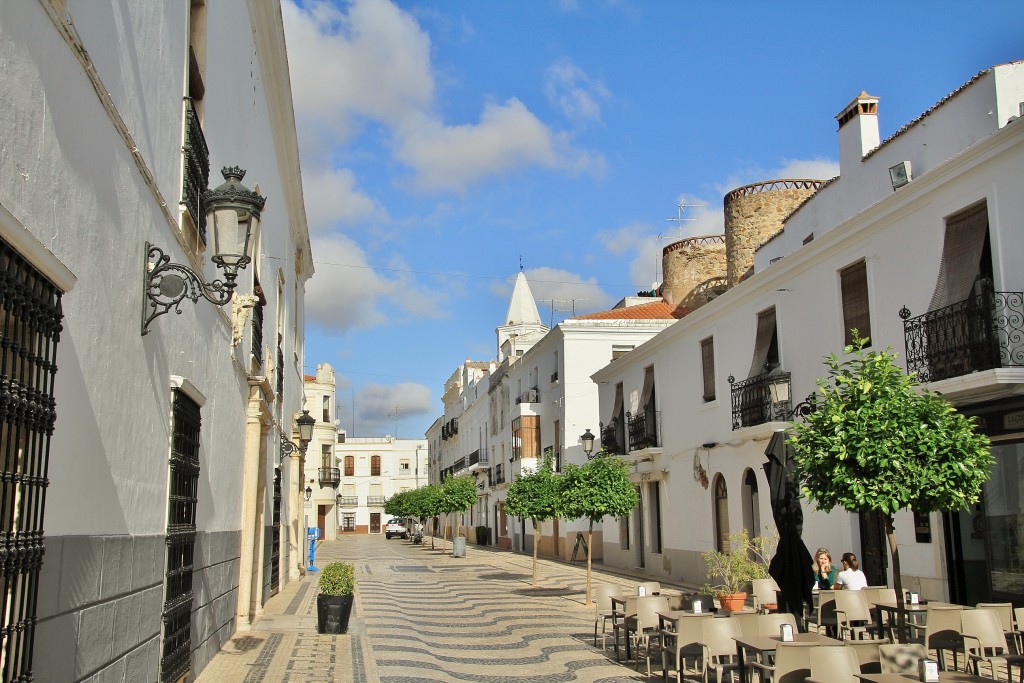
column 721, row 514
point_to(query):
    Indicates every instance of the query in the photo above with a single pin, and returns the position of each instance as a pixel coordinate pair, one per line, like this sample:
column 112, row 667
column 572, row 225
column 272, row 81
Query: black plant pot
column 332, row 613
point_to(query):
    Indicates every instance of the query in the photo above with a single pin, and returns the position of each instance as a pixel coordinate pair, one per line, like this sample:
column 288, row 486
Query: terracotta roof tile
column 309, row 378
column 656, row 310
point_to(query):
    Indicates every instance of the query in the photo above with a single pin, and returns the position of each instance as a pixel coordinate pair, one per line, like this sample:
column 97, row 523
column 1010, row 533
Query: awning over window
column 763, row 341
column 645, row 397
column 617, row 404
column 961, row 256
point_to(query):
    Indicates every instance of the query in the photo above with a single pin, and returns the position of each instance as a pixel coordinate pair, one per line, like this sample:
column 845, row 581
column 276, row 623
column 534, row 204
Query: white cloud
column 332, row 198
column 796, row 169
column 368, row 62
column 570, row 90
column 376, row 406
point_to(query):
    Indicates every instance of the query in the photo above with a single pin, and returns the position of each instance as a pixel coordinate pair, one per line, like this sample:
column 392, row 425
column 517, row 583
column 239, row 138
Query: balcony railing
column 499, row 475
column 197, row 169
column 348, row 501
column 459, row 465
column 477, row 458
column 612, row 439
column 983, row 332
column 752, row 400
column 644, row 430
column 372, row 501
column 329, row 476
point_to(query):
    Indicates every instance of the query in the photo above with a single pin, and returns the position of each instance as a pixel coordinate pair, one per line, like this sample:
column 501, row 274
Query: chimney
column 858, row 130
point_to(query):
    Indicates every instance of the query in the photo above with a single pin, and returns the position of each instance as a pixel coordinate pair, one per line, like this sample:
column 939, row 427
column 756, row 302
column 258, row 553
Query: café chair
column 853, row 616
column 822, row 618
column 1006, row 618
column 619, row 619
column 683, row 645
column 644, row 627
column 718, row 647
column 603, row 609
column 881, row 594
column 901, row 658
column 984, row 641
column 942, row 631
column 766, row 592
column 868, row 655
column 768, row 624
column 748, row 621
column 649, row 588
column 833, row 664
column 792, row 664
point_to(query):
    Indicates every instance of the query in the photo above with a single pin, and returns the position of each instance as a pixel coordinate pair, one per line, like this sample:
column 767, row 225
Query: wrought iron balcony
column 752, row 402
column 329, row 476
column 613, row 438
column 375, row 501
column 499, row 475
column 983, row 332
column 348, row 501
column 459, row 465
column 197, row 169
column 478, row 459
column 644, row 430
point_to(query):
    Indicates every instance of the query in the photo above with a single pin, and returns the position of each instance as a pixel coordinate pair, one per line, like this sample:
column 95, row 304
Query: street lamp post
column 588, row 443
column 305, row 424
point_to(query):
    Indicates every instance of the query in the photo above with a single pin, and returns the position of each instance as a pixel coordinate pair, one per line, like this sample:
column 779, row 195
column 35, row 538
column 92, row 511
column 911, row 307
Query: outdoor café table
column 669, row 621
column 944, row 677
column 766, row 645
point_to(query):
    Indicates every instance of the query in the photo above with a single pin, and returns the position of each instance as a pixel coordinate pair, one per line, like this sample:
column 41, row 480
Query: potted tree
column 334, row 602
column 746, row 560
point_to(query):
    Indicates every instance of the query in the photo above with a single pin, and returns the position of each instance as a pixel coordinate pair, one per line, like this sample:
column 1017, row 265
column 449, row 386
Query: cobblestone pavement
column 422, row 615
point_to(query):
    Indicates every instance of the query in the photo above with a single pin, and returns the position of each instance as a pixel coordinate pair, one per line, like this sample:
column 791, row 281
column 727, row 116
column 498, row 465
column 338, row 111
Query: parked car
column 396, row 527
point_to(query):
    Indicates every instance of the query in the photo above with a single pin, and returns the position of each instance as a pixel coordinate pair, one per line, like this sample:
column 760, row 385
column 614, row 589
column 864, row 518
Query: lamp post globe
column 305, row 422
column 588, row 442
column 309, row 493
column 233, row 214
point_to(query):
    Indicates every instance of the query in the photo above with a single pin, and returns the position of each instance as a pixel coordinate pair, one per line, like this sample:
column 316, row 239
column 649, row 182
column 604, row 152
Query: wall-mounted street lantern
column 309, row 493
column 233, row 214
column 305, row 423
column 588, row 443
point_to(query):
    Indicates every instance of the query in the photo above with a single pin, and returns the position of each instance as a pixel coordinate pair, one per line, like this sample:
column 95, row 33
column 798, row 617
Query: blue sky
column 444, row 140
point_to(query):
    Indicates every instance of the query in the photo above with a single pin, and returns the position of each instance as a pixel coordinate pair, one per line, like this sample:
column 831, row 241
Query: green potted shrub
column 746, row 560
column 334, row 602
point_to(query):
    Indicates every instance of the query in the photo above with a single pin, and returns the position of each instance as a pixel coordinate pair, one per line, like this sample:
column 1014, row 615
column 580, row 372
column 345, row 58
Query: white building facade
column 155, row 452
column 866, row 250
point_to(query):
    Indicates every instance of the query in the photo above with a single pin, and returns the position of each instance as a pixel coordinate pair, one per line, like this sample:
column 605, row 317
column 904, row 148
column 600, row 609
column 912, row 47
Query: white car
column 396, row 527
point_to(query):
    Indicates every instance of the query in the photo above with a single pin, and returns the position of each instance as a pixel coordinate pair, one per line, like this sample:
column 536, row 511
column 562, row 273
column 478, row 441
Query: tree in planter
column 745, row 560
column 535, row 496
column 874, row 442
column 427, row 504
column 457, row 495
column 594, row 490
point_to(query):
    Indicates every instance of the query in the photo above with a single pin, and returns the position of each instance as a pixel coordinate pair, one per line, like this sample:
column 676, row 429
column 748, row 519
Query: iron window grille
column 30, row 326
column 181, row 538
column 752, row 400
column 644, row 429
column 197, row 169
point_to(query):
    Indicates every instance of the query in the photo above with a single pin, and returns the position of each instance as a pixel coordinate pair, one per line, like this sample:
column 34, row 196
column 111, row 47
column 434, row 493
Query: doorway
column 374, row 522
column 641, row 558
column 874, row 558
column 321, row 520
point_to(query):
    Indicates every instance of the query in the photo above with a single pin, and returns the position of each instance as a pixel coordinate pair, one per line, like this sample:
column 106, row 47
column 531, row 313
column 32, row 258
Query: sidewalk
column 422, row 615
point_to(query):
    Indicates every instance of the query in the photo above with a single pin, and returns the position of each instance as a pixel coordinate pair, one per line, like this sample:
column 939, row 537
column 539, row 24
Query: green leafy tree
column 398, row 504
column 535, row 496
column 875, row 442
column 594, row 491
column 426, row 503
column 457, row 495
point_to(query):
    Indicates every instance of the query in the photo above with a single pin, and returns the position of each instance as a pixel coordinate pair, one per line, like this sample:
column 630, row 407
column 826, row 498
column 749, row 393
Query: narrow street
column 422, row 615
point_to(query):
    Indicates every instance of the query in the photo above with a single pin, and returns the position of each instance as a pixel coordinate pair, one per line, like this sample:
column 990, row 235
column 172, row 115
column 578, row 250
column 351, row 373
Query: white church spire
column 522, row 327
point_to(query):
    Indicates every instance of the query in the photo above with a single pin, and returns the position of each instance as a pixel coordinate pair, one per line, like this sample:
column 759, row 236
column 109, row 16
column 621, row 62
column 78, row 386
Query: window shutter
column 961, row 257
column 707, row 358
column 765, row 332
column 853, row 282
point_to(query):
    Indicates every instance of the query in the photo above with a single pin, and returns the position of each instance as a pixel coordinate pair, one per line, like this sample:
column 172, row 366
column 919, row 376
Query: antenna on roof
column 561, row 310
column 680, row 219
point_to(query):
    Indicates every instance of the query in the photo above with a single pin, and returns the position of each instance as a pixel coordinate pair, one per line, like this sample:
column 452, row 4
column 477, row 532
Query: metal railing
column 348, row 501
column 752, row 402
column 329, row 476
column 478, row 458
column 197, row 169
column 499, row 475
column 644, row 429
column 982, row 332
column 613, row 438
column 459, row 465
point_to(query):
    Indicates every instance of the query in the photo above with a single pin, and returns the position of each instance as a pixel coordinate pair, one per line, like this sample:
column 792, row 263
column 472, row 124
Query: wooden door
column 374, row 522
column 321, row 520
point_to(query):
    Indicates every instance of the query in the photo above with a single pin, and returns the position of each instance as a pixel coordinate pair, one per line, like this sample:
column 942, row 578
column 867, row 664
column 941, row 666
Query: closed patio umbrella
column 791, row 565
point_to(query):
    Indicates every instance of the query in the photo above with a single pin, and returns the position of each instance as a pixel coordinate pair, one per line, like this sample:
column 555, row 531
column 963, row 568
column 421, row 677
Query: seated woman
column 851, row 578
column 824, row 572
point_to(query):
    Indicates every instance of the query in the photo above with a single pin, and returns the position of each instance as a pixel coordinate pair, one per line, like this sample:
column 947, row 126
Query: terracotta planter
column 732, row 602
